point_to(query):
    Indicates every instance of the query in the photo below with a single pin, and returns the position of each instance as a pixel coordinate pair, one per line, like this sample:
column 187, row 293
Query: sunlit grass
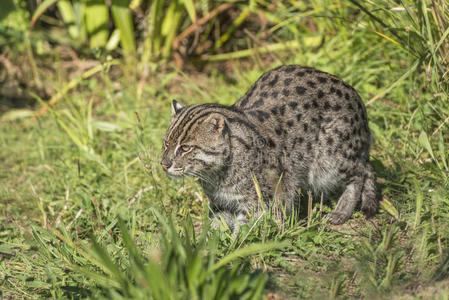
column 86, row 211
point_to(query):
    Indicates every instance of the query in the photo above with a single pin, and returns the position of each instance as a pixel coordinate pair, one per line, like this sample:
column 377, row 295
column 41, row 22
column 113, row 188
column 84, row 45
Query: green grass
column 86, row 211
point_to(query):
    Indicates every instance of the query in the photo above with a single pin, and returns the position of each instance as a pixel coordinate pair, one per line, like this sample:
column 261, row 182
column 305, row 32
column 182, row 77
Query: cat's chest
column 229, row 194
column 227, row 198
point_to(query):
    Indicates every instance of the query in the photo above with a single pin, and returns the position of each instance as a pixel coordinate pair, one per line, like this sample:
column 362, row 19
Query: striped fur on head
column 196, row 142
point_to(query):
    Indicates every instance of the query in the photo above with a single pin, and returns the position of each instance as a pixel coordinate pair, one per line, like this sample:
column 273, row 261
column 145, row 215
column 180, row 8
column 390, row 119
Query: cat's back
column 295, row 85
column 312, row 117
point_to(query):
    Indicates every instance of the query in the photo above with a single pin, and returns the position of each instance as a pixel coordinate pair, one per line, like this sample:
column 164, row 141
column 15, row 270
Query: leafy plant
column 89, row 19
column 379, row 259
column 184, row 267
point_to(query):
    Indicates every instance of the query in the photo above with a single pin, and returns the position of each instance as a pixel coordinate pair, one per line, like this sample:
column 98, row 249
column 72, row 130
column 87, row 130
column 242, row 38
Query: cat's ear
column 175, row 107
column 215, row 123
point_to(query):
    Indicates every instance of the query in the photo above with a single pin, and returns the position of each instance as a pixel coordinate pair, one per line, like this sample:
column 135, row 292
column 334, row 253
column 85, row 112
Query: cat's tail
column 371, row 195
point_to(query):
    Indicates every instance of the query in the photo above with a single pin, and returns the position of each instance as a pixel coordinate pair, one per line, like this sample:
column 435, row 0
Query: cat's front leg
column 227, row 219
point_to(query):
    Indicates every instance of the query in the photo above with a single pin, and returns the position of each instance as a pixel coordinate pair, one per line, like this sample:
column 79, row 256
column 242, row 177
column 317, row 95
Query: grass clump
column 184, row 266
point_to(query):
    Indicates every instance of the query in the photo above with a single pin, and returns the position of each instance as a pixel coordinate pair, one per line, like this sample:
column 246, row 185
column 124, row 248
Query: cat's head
column 196, row 142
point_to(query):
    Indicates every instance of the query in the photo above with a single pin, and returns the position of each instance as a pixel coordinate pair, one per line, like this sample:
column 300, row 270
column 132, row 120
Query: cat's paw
column 337, row 218
column 370, row 210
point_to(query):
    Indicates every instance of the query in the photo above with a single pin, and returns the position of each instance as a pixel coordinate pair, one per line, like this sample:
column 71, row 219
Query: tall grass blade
column 123, row 21
column 153, row 42
column 107, row 261
column 397, row 82
column 129, row 244
column 424, row 141
column 79, row 8
column 442, row 40
column 97, row 17
column 170, row 27
column 68, row 16
column 246, row 251
column 442, row 148
column 419, row 203
column 190, row 7
column 386, row 205
column 43, row 6
column 113, row 41
column 237, row 22
column 388, row 38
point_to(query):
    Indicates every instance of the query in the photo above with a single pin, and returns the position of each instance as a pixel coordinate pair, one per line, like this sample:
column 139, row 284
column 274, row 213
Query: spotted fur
column 296, row 128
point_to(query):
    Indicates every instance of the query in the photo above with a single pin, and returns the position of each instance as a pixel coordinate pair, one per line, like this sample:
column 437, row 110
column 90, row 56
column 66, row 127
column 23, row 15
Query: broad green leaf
column 114, row 40
column 170, row 28
column 123, row 21
column 97, row 17
column 68, row 15
column 16, row 114
column 167, row 24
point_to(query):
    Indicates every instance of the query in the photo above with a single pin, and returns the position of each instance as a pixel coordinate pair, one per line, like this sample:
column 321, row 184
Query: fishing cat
column 295, row 128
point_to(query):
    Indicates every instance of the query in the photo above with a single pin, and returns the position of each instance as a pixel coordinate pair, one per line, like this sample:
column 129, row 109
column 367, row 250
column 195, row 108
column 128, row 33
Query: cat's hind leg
column 348, row 201
column 370, row 196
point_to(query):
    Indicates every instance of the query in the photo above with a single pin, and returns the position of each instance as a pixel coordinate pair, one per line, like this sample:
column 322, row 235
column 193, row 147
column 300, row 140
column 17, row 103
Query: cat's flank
column 296, row 128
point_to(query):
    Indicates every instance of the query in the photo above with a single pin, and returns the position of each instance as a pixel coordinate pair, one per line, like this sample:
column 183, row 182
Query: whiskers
column 200, row 176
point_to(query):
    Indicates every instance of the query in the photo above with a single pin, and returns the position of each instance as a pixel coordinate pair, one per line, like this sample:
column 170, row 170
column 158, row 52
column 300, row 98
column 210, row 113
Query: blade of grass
column 113, row 41
column 43, row 6
column 401, row 79
column 170, row 27
column 379, row 21
column 237, row 22
column 123, row 21
column 442, row 147
column 190, row 7
column 246, row 251
column 154, row 40
column 419, row 203
column 68, row 16
column 97, row 17
column 424, row 141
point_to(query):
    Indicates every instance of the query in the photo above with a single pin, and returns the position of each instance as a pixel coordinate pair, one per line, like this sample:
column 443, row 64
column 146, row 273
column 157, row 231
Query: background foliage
column 86, row 211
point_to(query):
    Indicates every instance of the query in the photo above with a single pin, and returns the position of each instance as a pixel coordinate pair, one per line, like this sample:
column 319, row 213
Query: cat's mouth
column 175, row 172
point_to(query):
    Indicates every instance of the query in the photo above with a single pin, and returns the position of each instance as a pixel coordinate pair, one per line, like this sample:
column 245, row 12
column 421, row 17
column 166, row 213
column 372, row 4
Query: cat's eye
column 185, row 148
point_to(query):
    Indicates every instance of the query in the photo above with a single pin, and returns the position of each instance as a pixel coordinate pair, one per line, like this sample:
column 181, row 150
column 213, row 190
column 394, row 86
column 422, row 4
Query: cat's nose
column 165, row 165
